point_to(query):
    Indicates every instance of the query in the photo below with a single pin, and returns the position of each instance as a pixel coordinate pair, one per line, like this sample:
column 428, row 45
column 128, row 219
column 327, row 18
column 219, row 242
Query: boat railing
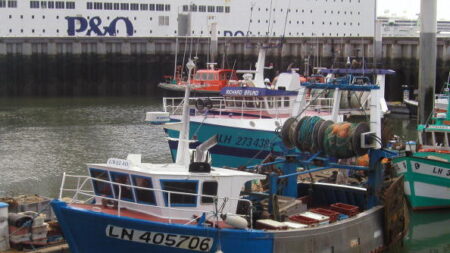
column 83, row 193
column 236, row 106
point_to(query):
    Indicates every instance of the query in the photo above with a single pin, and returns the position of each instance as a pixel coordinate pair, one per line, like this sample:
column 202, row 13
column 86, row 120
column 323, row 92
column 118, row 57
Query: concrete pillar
column 101, row 48
column 427, row 59
column 26, row 48
column 2, row 48
column 377, row 44
column 51, row 48
column 407, row 51
column 446, row 52
column 326, row 49
column 126, row 48
column 396, row 52
column 76, row 46
column 348, row 49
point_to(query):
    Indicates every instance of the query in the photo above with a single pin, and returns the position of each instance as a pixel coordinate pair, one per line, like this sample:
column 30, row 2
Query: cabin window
column 144, row 196
column 125, row 192
column 440, row 138
column 209, row 188
column 182, row 186
column 210, row 76
column 204, row 76
column 101, row 188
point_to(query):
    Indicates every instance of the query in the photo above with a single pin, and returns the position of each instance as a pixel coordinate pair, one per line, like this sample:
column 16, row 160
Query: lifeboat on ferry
column 209, row 80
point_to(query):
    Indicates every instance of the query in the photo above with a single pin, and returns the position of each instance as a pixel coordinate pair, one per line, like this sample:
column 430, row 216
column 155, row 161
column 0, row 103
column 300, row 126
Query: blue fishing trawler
column 247, row 119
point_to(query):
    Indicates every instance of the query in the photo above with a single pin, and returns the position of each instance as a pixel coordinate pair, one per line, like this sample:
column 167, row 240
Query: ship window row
column 127, row 6
column 204, row 8
column 52, row 5
column 312, row 22
column 310, row 11
column 9, row 4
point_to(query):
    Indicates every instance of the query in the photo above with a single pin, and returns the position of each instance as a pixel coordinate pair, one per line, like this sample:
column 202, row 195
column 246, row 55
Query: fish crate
column 310, row 222
column 334, row 216
column 347, row 209
column 34, row 203
column 270, row 224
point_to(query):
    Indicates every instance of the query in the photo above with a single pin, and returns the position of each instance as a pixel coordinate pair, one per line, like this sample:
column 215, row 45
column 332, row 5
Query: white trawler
column 169, row 18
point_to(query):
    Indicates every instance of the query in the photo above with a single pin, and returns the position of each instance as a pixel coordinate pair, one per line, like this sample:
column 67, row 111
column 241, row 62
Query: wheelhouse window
column 144, row 196
column 209, row 188
column 125, row 192
column 151, row 7
column 3, row 4
column 134, row 7
column 101, row 188
column 182, row 186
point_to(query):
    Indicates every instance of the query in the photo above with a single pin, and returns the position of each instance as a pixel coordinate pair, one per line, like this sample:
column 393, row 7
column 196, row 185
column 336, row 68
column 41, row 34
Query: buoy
column 235, row 221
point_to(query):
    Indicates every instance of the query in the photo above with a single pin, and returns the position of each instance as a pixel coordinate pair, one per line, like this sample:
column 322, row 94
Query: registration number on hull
column 189, row 242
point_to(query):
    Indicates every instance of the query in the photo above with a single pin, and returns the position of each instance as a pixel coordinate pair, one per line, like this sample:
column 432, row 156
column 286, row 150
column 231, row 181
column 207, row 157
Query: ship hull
column 427, row 181
column 236, row 146
column 91, row 231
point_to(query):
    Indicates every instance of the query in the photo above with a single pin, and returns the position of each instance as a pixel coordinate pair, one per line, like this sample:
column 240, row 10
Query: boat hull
column 236, row 146
column 427, row 181
column 91, row 231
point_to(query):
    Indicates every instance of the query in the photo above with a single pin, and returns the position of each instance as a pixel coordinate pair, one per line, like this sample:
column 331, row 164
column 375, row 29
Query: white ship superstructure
column 170, row 18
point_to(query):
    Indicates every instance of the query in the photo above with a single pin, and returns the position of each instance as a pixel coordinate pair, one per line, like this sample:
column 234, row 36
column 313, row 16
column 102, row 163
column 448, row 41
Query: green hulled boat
column 427, row 171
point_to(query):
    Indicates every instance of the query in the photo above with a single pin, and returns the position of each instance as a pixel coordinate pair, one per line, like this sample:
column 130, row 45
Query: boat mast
column 183, row 141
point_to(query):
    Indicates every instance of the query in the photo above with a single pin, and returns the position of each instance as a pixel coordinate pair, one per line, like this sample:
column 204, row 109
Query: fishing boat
column 204, row 81
column 246, row 119
column 427, row 171
column 125, row 205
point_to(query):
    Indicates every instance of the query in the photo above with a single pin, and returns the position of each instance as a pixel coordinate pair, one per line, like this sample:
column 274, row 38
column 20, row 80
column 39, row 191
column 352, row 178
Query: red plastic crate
column 304, row 220
column 327, row 212
column 349, row 210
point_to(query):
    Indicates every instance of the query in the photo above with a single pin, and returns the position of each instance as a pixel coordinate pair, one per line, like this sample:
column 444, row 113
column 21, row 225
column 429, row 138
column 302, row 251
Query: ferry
column 171, row 18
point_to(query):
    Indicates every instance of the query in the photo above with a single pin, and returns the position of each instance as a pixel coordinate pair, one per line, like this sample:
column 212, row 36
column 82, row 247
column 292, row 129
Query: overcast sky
column 409, row 8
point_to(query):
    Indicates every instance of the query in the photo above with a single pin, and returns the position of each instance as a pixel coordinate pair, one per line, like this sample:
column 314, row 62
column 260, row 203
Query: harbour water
column 40, row 138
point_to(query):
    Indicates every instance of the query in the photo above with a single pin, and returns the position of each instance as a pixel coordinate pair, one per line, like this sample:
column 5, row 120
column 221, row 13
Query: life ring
column 208, row 104
column 200, row 104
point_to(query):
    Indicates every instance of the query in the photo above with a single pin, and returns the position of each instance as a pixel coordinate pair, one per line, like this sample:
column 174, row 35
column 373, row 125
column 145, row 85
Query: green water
column 40, row 138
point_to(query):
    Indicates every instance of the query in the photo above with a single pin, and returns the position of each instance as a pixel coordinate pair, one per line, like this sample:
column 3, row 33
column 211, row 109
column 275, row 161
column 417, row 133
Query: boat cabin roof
column 172, row 169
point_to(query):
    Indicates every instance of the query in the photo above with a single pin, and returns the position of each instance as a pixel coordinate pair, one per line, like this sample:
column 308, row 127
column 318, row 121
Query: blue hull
column 88, row 231
column 236, row 146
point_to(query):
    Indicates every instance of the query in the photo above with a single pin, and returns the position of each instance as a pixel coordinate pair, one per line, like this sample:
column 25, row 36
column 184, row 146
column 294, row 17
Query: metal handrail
column 80, row 192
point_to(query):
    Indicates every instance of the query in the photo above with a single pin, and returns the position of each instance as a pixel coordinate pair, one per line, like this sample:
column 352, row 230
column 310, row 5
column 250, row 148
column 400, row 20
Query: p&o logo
column 93, row 26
